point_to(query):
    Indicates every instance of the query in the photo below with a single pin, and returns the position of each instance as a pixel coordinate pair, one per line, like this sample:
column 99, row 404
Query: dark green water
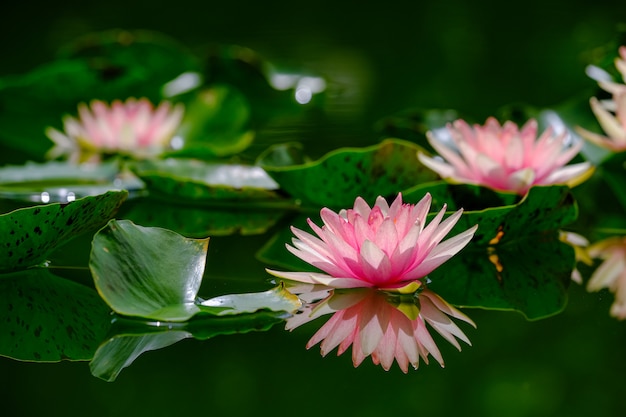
column 475, row 58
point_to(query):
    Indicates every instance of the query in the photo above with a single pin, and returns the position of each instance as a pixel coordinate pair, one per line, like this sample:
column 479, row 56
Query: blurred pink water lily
column 385, row 247
column 505, row 157
column 382, row 325
column 611, row 273
column 611, row 114
column 134, row 127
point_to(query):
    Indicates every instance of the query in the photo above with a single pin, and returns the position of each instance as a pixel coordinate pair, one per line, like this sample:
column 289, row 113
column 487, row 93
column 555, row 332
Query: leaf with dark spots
column 39, row 231
column 47, row 318
column 340, row 176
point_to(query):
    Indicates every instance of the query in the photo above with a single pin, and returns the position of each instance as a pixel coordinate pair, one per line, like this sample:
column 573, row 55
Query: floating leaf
column 133, row 339
column 63, row 182
column 203, row 220
column 46, row 318
column 276, row 299
column 31, row 234
column 148, row 271
column 340, row 176
column 197, row 180
column 216, row 124
column 530, row 275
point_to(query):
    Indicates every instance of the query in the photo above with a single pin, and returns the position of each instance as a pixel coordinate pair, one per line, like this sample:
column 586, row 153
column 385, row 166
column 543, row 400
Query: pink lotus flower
column 383, row 325
column 611, row 114
column 380, row 247
column 611, row 273
column 506, row 158
column 134, row 127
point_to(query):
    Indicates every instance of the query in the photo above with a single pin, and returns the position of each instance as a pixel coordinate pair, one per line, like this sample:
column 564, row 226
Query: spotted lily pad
column 196, row 180
column 340, row 176
column 31, row 234
column 46, row 318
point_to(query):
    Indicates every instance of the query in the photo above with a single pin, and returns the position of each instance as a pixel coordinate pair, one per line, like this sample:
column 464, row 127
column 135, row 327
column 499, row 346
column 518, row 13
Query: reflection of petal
column 375, row 324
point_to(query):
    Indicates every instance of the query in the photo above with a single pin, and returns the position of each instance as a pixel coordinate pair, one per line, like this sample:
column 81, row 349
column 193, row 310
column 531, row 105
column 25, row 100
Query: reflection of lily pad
column 133, row 339
column 197, row 180
column 200, row 220
column 147, row 272
column 46, row 318
column 31, row 234
column 63, row 182
column 340, row 176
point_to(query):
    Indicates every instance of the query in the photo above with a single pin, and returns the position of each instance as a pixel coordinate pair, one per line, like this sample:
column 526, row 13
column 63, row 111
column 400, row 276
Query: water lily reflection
column 384, row 325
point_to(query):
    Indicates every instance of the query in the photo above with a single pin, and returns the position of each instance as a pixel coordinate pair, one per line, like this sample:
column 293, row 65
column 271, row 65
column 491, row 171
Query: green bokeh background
column 389, row 56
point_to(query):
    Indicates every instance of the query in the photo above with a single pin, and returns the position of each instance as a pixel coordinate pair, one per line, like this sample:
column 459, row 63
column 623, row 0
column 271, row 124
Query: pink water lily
column 133, row 127
column 611, row 273
column 380, row 325
column 380, row 247
column 505, row 157
column 611, row 114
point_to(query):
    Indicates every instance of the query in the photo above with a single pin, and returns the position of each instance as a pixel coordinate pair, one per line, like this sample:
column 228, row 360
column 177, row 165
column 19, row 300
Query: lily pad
column 530, row 275
column 148, row 272
column 46, row 318
column 196, row 180
column 216, row 124
column 276, row 299
column 63, row 182
column 340, row 176
column 31, row 234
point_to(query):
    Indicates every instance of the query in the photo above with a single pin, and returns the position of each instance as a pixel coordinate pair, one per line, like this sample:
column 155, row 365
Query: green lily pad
column 31, row 234
column 340, row 176
column 148, row 272
column 46, row 318
column 63, row 182
column 132, row 339
column 203, row 220
column 276, row 299
column 216, row 124
column 530, row 276
column 196, row 180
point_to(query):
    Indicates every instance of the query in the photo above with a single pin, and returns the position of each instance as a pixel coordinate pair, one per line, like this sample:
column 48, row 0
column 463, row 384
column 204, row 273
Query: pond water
column 377, row 65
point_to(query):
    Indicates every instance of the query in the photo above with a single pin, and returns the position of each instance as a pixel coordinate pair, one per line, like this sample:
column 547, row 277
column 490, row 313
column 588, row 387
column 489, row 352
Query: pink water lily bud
column 134, row 127
column 385, row 326
column 384, row 246
column 505, row 157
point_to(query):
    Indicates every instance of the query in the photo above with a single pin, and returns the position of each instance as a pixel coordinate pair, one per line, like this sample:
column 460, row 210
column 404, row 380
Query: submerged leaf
column 31, row 234
column 46, row 318
column 203, row 220
column 148, row 272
